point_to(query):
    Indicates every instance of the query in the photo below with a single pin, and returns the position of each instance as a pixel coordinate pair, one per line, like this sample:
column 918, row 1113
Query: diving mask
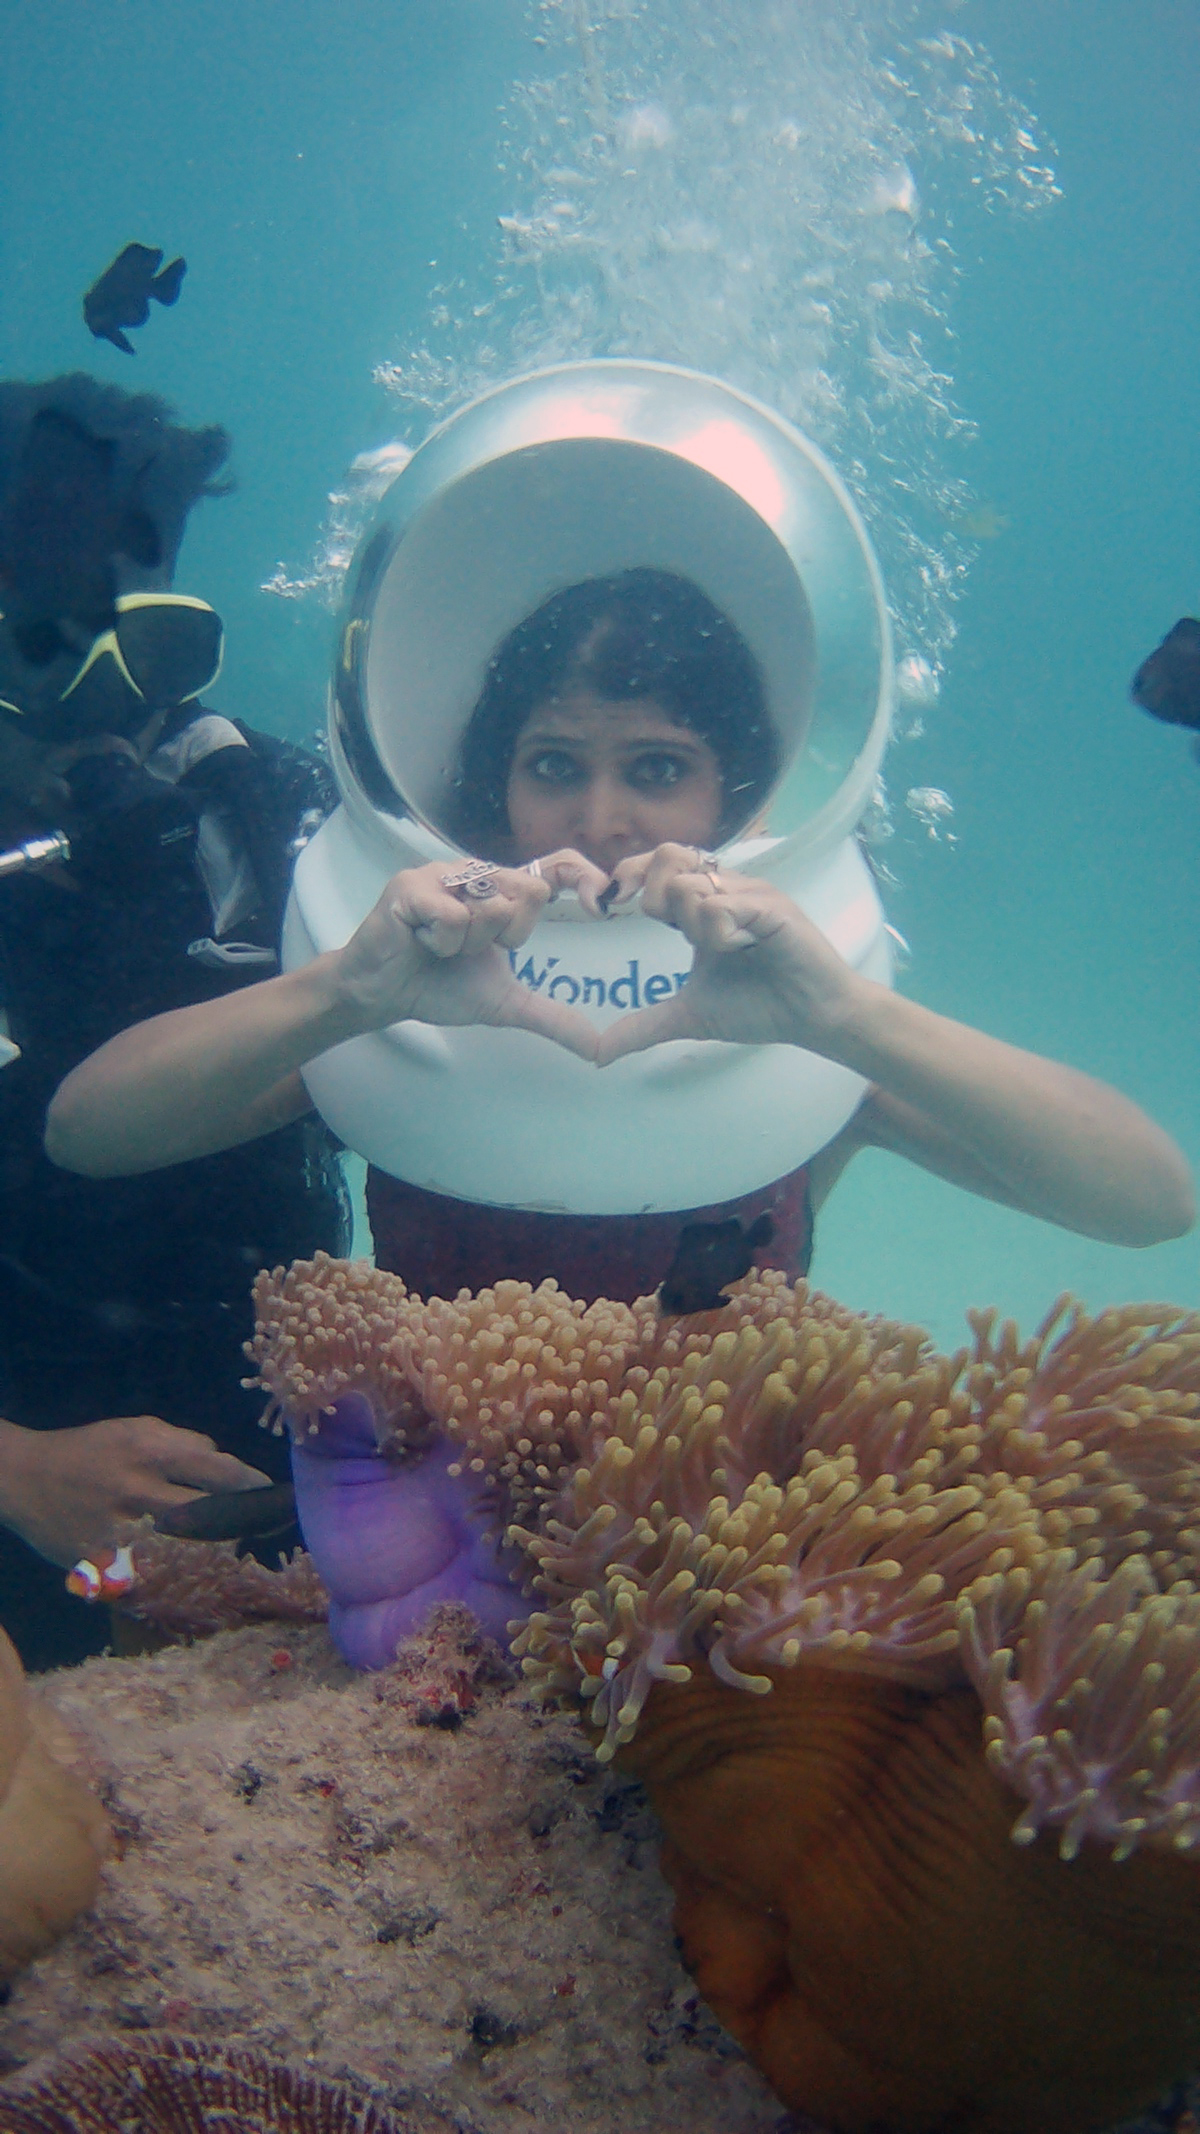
column 162, row 650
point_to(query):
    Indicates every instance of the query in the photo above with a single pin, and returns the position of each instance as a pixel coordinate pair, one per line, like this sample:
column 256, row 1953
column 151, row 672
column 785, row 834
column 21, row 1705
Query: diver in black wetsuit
column 124, row 1303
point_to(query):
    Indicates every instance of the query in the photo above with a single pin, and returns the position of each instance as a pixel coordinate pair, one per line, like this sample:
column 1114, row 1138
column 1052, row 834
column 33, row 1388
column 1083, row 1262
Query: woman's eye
column 552, row 767
column 655, row 773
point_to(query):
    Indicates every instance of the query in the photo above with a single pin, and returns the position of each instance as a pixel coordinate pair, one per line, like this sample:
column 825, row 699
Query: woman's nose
column 605, row 807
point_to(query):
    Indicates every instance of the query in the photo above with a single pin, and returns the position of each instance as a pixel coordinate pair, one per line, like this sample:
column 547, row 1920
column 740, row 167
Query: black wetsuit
column 131, row 1296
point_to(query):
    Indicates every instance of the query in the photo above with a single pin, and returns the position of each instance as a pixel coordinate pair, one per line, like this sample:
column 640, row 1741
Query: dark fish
column 122, row 295
column 232, row 1515
column 1168, row 683
column 61, row 524
column 708, row 1256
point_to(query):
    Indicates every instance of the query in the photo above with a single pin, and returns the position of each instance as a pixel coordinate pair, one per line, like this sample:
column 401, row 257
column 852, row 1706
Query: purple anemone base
column 392, row 1538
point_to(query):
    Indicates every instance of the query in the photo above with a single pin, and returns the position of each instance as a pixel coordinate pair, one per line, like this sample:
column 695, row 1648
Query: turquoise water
column 335, row 175
column 1066, row 918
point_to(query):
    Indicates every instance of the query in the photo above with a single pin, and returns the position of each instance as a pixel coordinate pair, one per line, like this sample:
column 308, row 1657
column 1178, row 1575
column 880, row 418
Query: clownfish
column 106, row 1575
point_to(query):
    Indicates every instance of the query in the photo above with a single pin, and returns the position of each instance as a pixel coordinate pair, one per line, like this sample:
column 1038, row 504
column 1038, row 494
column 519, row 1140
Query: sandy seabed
column 418, row 1879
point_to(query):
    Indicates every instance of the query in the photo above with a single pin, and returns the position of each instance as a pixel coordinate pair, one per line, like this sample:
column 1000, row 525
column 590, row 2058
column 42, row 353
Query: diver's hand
column 427, row 954
column 763, row 974
column 68, row 1491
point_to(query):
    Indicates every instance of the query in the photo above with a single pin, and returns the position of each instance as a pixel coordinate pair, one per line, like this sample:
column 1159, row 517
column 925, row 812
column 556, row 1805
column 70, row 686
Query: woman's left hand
column 763, row 974
column 1003, row 1122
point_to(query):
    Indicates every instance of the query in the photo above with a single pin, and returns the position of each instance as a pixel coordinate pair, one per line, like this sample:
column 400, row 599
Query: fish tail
column 166, row 286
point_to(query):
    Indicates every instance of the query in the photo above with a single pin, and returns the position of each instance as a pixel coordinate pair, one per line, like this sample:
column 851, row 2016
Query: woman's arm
column 198, row 1079
column 212, row 1076
column 1012, row 1126
column 1000, row 1121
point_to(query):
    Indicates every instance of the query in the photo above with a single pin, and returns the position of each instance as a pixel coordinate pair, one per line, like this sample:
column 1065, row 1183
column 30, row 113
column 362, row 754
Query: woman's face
column 610, row 780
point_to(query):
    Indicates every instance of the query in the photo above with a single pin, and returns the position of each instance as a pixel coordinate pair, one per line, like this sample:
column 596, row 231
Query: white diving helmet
column 580, row 472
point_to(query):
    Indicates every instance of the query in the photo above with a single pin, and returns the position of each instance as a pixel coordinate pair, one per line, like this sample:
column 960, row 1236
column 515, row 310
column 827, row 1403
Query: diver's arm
column 68, row 1491
column 1000, row 1121
column 222, row 1072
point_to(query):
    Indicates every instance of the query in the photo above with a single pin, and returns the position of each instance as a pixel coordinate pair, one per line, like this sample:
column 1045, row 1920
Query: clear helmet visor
column 583, row 472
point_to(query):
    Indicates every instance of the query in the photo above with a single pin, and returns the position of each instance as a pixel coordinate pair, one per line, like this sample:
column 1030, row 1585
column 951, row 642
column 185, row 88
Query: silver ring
column 535, row 869
column 707, row 863
column 473, row 883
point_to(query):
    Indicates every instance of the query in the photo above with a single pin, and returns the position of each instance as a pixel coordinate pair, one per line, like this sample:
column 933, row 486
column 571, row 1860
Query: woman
column 600, row 760
column 621, row 731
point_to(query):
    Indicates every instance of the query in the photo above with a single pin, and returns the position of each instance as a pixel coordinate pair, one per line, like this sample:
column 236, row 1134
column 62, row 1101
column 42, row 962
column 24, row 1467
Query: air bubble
column 916, row 682
column 769, row 193
column 933, row 810
column 646, row 126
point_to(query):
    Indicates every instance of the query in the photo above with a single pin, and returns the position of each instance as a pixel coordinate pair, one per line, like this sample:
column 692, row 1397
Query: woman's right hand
column 66, row 1492
column 429, row 954
column 223, row 1071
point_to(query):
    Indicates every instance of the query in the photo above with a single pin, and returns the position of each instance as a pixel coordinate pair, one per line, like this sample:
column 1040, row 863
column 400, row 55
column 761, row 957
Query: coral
column 192, row 1588
column 172, row 2085
column 905, row 1648
column 53, row 1833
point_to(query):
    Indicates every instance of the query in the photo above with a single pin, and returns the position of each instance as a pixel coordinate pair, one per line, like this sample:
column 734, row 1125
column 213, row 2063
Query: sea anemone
column 905, row 1649
column 417, row 1429
column 515, row 1372
column 189, row 1589
column 160, row 2084
column 53, row 1832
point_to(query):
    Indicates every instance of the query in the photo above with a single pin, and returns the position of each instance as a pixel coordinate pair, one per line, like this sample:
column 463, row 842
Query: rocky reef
column 416, row 1882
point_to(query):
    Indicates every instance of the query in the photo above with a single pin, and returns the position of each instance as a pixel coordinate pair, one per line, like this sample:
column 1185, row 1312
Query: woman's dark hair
column 172, row 466
column 642, row 633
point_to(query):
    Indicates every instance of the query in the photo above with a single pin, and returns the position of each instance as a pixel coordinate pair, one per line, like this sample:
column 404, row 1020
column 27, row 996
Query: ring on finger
column 707, row 863
column 473, row 883
column 534, row 868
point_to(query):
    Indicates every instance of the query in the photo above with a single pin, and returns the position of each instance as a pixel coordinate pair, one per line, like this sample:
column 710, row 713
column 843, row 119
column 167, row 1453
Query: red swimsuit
column 440, row 1245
